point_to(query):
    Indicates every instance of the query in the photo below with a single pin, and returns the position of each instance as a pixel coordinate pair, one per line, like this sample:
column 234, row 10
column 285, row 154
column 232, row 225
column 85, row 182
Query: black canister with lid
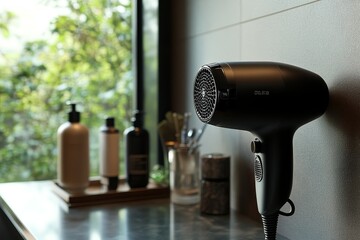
column 215, row 184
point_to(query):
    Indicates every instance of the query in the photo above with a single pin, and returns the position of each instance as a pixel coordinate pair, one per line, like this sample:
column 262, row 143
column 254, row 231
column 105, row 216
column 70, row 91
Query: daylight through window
column 51, row 52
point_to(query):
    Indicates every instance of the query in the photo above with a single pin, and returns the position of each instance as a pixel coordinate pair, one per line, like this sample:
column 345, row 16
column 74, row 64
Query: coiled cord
column 270, row 225
column 270, row 221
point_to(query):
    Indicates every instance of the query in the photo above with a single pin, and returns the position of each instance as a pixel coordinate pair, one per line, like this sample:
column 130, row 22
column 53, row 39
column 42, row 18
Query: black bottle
column 137, row 153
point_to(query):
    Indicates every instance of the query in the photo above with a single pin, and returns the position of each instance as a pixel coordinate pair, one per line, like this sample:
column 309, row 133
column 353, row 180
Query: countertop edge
column 20, row 227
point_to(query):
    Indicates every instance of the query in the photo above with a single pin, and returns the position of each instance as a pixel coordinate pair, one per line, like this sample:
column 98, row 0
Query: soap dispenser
column 73, row 166
column 137, row 153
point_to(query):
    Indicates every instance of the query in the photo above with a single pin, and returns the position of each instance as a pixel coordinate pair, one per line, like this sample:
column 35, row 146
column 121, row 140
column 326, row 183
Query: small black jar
column 215, row 184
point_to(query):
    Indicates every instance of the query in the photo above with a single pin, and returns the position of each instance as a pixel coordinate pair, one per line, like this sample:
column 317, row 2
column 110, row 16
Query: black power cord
column 270, row 221
column 270, row 225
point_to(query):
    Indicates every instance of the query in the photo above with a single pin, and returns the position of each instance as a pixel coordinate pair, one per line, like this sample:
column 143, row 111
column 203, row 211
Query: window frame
column 163, row 100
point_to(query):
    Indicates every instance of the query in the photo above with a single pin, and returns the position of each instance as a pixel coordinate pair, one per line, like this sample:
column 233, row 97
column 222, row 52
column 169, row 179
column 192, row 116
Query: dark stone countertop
column 41, row 214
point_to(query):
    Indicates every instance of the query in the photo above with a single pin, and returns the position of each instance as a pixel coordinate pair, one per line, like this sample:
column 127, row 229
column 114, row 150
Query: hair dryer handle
column 273, row 170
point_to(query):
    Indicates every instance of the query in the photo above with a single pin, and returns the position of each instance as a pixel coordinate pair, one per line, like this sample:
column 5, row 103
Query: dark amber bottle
column 137, row 153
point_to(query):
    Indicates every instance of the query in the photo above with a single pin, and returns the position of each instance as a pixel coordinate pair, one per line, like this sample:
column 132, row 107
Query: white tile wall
column 211, row 15
column 322, row 36
column 253, row 9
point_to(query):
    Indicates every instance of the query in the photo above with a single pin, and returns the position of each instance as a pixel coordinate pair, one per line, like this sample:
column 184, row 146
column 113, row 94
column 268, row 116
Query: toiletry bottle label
column 138, row 164
column 109, row 154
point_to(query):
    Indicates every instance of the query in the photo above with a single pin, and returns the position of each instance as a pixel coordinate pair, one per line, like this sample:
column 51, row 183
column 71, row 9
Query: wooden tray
column 97, row 194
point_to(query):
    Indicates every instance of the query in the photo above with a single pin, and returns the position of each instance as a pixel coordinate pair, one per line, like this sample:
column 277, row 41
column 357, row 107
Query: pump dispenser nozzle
column 138, row 118
column 74, row 116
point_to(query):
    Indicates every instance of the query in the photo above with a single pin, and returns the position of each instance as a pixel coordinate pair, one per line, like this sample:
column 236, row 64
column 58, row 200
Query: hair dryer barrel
column 257, row 95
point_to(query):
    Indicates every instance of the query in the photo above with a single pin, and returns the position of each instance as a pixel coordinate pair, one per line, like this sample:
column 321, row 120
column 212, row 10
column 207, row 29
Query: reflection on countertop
column 46, row 216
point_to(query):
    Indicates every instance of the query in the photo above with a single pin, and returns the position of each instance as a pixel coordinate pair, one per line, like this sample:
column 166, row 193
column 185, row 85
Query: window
column 150, row 45
column 81, row 53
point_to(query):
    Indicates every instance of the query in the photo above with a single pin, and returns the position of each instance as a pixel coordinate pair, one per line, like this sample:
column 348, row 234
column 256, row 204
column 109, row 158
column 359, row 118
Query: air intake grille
column 258, row 169
column 205, row 94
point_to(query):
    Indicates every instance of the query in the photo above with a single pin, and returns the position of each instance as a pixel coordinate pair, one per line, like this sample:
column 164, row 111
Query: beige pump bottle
column 73, row 157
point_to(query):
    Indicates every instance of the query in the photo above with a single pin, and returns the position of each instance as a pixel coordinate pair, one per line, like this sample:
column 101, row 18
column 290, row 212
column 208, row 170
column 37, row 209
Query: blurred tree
column 87, row 60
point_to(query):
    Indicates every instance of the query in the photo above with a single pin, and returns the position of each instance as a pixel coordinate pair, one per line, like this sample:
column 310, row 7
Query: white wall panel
column 253, row 9
column 211, row 15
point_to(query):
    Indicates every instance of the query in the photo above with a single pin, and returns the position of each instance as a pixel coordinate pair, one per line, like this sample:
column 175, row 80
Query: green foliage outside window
column 87, row 60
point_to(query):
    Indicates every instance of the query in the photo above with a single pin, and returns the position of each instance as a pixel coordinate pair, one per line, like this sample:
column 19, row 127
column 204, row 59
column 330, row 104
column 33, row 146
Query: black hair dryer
column 271, row 100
